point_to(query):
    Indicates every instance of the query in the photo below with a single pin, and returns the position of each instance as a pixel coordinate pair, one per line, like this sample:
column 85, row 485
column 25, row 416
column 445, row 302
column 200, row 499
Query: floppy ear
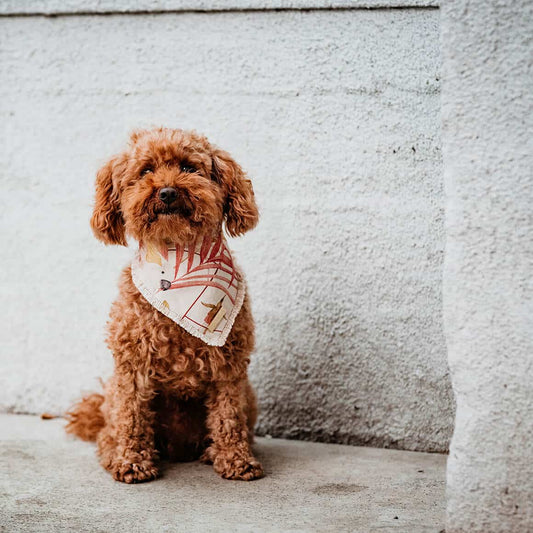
column 107, row 222
column 240, row 209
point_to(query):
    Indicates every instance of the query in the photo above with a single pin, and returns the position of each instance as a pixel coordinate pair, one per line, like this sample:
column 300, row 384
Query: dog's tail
column 85, row 418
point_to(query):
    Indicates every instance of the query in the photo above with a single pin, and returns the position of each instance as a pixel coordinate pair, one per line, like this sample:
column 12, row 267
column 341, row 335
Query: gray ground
column 50, row 482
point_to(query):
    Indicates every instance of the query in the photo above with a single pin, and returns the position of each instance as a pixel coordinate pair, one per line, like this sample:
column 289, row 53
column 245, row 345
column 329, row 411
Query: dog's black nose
column 168, row 195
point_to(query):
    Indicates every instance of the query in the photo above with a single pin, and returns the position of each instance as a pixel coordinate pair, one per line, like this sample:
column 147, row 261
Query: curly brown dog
column 171, row 394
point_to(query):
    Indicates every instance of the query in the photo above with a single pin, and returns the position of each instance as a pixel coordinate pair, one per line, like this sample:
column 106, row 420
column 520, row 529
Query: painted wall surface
column 335, row 115
column 58, row 7
column 488, row 159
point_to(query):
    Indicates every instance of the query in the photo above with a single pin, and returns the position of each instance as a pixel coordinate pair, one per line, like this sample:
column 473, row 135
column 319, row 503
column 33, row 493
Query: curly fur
column 171, row 395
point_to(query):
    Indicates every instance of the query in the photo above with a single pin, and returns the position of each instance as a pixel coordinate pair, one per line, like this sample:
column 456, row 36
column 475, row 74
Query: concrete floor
column 50, row 482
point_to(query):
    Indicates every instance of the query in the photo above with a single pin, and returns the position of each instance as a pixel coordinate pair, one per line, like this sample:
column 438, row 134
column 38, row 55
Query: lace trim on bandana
column 198, row 286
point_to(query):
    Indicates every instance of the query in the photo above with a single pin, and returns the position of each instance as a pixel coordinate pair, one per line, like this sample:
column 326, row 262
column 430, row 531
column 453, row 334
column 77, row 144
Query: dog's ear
column 107, row 222
column 240, row 210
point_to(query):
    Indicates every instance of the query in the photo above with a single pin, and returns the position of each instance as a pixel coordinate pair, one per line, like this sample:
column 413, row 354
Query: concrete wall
column 488, row 159
column 334, row 113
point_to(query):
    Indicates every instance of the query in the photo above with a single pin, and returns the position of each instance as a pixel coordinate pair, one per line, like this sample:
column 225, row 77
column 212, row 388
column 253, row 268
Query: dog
column 181, row 331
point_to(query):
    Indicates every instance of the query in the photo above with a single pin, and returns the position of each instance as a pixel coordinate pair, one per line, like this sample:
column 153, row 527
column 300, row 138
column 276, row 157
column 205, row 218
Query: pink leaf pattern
column 179, row 255
column 214, row 258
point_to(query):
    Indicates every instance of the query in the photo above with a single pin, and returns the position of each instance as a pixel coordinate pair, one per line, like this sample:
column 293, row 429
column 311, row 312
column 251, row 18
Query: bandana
column 198, row 285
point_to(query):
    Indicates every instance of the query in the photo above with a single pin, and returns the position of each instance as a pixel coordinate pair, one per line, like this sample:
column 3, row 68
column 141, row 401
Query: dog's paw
column 208, row 456
column 138, row 472
column 235, row 467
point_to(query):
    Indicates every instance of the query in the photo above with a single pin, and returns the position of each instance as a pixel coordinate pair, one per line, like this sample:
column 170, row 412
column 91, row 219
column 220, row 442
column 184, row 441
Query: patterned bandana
column 198, row 286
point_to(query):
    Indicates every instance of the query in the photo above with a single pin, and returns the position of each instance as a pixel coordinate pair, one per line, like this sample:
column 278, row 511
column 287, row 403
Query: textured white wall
column 56, row 7
column 335, row 114
column 488, row 159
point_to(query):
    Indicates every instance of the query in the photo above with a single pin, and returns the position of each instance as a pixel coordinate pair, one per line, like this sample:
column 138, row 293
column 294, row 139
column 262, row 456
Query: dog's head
column 171, row 185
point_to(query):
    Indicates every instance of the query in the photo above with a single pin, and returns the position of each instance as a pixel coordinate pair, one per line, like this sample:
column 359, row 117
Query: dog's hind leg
column 250, row 410
column 180, row 428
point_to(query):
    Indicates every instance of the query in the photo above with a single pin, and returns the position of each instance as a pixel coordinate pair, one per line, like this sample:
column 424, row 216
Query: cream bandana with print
column 197, row 286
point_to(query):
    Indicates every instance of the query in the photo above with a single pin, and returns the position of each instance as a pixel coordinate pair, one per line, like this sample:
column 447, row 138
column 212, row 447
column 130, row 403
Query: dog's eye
column 186, row 167
column 146, row 170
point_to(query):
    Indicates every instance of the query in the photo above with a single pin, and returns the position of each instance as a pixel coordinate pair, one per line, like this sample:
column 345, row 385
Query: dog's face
column 171, row 185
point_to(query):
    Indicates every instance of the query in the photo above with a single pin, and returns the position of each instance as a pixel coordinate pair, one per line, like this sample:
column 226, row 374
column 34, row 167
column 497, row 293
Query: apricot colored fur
column 171, row 395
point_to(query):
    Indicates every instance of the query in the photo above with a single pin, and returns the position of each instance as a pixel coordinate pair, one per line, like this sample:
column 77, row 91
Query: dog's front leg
column 126, row 444
column 230, row 449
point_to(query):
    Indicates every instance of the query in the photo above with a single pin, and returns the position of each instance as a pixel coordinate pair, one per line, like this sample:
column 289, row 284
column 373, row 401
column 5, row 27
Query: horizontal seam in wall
column 102, row 13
